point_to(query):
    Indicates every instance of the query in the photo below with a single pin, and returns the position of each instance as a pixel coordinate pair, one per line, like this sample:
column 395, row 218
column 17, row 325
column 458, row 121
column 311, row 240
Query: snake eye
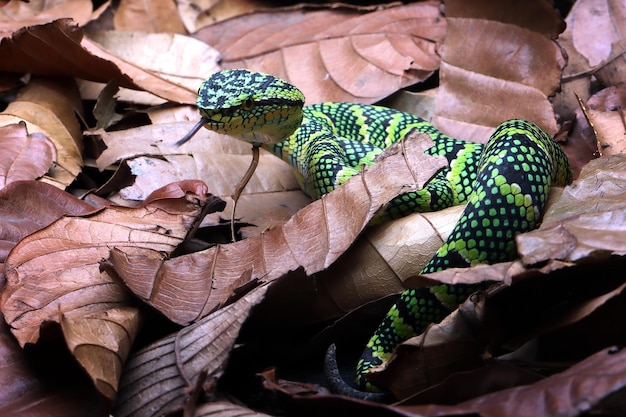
column 248, row 104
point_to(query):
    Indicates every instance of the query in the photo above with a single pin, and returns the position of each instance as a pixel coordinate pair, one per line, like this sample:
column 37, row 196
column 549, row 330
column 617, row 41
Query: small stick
column 242, row 184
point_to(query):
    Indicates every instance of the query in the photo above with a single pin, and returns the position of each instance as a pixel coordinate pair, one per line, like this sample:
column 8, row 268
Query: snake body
column 504, row 182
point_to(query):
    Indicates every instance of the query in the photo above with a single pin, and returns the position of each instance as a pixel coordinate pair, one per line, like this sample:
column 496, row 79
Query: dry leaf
column 48, row 107
column 182, row 60
column 101, row 341
column 350, row 56
column 19, row 14
column 26, row 156
column 191, row 286
column 43, row 382
column 200, row 13
column 56, row 274
column 596, row 25
column 158, row 378
column 444, row 348
column 568, row 394
column 27, row 206
column 219, row 160
column 226, row 409
column 587, row 218
column 59, row 49
column 380, row 262
column 151, row 16
column 498, row 63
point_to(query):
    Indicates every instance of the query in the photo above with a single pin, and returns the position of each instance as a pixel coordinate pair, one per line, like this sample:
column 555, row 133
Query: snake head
column 252, row 106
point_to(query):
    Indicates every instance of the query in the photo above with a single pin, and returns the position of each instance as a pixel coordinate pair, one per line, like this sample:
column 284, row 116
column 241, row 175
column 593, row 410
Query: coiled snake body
column 504, row 182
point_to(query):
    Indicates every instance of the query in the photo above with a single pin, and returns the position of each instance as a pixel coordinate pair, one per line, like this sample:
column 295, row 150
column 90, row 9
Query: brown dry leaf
column 606, row 115
column 26, row 156
column 586, row 219
column 190, row 287
column 381, row 261
column 219, row 160
column 158, row 16
column 27, row 206
column 499, row 62
column 350, row 56
column 59, row 49
column 271, row 197
column 599, row 380
column 226, row 408
column 179, row 59
column 50, row 386
column 101, row 341
column 56, row 275
column 596, row 25
column 200, row 13
column 158, row 378
column 19, row 14
column 48, row 107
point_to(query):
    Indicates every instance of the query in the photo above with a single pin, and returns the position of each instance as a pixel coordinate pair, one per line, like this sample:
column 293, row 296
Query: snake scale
column 505, row 182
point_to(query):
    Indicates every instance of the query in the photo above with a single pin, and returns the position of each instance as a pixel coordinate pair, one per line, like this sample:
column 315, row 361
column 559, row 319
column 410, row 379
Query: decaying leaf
column 597, row 381
column 179, row 59
column 27, row 206
column 25, row 156
column 158, row 378
column 101, row 341
column 380, row 262
column 350, row 56
column 189, row 287
column 511, row 78
column 59, row 49
column 219, row 160
column 18, row 14
column 56, row 275
column 586, row 219
column 49, row 107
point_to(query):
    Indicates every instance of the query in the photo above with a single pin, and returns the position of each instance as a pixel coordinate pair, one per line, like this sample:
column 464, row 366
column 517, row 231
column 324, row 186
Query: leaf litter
column 572, row 241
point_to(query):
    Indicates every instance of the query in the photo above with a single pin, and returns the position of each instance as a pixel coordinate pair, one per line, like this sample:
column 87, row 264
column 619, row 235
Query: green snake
column 505, row 182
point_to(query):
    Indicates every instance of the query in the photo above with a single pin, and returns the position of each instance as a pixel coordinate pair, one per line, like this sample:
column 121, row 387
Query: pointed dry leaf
column 101, row 341
column 157, row 378
column 586, row 219
column 205, row 280
column 27, row 206
column 381, row 260
column 219, row 160
column 25, row 156
column 48, row 107
column 59, row 49
column 351, row 56
column 150, row 16
column 601, row 377
column 19, row 14
column 179, row 59
column 496, row 66
column 56, row 273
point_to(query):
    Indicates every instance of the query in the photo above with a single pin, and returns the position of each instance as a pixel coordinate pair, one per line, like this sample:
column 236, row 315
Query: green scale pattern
column 505, row 182
column 516, row 169
column 335, row 140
